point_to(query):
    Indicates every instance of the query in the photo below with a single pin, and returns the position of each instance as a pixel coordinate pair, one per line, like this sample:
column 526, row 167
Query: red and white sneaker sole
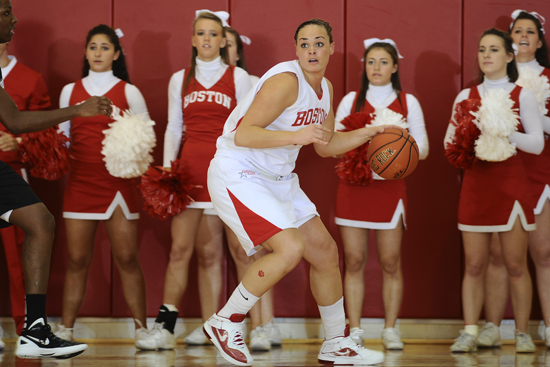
column 343, row 361
column 210, row 334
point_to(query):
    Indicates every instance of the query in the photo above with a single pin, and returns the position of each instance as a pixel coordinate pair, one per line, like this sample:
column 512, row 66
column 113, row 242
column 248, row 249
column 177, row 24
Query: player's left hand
column 8, row 142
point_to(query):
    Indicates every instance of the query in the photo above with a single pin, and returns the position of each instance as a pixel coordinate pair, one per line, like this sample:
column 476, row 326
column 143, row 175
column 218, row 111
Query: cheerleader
column 378, row 205
column 527, row 32
column 499, row 121
column 92, row 194
column 200, row 100
column 28, row 90
column 264, row 333
column 235, row 50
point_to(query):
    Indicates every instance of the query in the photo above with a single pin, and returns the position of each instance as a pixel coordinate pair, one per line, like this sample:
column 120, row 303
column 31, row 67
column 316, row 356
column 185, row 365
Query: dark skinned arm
column 19, row 122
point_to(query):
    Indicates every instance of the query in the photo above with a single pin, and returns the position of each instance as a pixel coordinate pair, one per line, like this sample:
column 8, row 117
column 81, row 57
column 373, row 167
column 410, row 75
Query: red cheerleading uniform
column 91, row 192
column 538, row 168
column 374, row 205
column 494, row 194
column 27, row 89
column 204, row 113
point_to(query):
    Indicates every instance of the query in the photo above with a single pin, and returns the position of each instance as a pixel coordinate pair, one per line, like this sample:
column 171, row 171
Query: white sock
column 471, row 329
column 240, row 302
column 334, row 319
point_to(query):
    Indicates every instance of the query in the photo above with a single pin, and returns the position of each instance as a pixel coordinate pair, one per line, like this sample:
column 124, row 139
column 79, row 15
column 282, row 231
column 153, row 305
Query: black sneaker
column 38, row 341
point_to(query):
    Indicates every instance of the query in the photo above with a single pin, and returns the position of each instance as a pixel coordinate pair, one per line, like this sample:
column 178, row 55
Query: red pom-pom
column 46, row 153
column 460, row 152
column 354, row 165
column 166, row 193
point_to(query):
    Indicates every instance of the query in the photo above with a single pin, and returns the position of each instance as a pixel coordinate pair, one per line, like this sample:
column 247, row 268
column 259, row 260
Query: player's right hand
column 96, row 106
column 317, row 134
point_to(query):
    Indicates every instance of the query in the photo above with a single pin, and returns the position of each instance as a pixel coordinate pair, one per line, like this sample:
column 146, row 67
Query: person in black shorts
column 19, row 205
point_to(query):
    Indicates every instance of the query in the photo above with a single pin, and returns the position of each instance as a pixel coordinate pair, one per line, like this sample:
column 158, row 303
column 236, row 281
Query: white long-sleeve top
column 381, row 97
column 532, row 141
column 539, row 68
column 207, row 73
column 98, row 84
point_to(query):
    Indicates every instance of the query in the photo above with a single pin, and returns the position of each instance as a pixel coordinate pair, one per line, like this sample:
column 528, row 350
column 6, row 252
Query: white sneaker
column 141, row 334
column 197, row 337
column 391, row 338
column 489, row 336
column 357, row 337
column 342, row 350
column 64, row 333
column 524, row 342
column 259, row 340
column 227, row 336
column 273, row 333
column 547, row 336
column 464, row 343
column 156, row 338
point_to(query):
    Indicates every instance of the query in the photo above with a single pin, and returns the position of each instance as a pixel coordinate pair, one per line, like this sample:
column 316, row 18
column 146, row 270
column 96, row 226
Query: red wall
column 438, row 40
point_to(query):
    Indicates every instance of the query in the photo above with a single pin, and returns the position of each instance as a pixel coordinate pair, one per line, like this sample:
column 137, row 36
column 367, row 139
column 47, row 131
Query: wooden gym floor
column 292, row 354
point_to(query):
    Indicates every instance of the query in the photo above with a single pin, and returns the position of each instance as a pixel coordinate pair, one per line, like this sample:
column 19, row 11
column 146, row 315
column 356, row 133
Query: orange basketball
column 393, row 154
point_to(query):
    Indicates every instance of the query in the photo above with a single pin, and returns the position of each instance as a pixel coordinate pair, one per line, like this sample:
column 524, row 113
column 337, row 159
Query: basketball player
column 200, row 100
column 381, row 204
column 27, row 89
column 21, row 207
column 495, row 195
column 255, row 193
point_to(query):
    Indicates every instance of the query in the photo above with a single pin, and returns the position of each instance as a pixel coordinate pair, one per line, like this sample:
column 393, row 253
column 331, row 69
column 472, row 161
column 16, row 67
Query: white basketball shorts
column 253, row 204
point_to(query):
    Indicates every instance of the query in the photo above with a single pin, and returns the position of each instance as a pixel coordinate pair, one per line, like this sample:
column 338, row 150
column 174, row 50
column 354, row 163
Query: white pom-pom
column 128, row 145
column 497, row 120
column 529, row 78
column 493, row 149
column 385, row 116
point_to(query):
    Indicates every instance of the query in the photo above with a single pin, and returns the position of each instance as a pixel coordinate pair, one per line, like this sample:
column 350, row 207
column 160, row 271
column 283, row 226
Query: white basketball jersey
column 308, row 109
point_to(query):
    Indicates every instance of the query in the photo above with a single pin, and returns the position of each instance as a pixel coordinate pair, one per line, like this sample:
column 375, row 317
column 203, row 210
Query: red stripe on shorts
column 257, row 228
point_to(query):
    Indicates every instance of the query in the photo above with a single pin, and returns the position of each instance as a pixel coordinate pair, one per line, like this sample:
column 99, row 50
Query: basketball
column 393, row 154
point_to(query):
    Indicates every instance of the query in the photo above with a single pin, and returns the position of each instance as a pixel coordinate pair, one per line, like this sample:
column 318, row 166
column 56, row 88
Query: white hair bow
column 246, row 40
column 517, row 12
column 371, row 41
column 223, row 15
column 119, row 33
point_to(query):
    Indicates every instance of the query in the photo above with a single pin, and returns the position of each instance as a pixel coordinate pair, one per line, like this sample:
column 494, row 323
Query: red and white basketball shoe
column 227, row 336
column 342, row 350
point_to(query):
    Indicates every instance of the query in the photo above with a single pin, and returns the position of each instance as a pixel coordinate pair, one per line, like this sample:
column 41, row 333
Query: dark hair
column 320, row 23
column 511, row 68
column 542, row 53
column 194, row 52
column 241, row 62
column 395, row 81
column 119, row 65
